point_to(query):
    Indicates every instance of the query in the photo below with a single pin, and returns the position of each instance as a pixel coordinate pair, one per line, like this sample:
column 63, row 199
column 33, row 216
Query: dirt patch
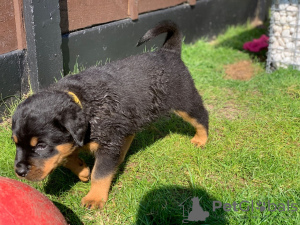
column 230, row 111
column 242, row 70
column 294, row 91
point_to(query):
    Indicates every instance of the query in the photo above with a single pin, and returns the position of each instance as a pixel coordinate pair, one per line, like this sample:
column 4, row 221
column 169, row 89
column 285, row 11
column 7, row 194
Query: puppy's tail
column 173, row 39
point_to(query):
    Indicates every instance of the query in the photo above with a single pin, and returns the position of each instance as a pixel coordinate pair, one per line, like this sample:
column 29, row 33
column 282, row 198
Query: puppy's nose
column 21, row 169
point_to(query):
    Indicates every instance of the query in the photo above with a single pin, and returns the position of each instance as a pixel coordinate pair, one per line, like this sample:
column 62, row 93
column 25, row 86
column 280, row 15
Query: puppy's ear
column 75, row 122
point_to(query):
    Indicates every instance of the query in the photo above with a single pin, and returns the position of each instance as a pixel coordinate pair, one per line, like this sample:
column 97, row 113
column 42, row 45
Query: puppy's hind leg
column 195, row 114
column 77, row 166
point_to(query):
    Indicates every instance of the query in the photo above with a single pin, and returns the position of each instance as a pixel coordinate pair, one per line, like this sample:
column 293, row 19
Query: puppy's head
column 46, row 128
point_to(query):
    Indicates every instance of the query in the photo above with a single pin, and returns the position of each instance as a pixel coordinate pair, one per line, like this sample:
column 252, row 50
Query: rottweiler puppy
column 101, row 109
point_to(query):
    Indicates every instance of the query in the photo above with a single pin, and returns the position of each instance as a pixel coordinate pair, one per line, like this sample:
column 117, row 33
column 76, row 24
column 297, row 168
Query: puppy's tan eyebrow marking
column 33, row 141
column 15, row 139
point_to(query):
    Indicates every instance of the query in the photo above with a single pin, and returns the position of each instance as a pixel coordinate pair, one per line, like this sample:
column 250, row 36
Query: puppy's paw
column 91, row 202
column 84, row 174
column 199, row 142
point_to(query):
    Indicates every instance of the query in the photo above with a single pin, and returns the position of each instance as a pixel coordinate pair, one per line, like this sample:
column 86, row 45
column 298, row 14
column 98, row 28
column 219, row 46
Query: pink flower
column 257, row 44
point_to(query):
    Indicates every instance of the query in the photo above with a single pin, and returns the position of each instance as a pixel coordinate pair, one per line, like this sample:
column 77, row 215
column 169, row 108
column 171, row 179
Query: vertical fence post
column 133, row 9
column 43, row 36
column 192, row 2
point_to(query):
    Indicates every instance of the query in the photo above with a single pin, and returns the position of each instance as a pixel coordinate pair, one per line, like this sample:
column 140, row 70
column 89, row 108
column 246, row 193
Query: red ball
column 21, row 204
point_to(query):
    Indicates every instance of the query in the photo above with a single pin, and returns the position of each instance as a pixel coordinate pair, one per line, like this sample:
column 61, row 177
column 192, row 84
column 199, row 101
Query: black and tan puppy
column 101, row 109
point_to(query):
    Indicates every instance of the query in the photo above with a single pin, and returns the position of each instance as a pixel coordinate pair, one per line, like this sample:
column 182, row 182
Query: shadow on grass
column 153, row 133
column 173, row 205
column 69, row 215
column 62, row 180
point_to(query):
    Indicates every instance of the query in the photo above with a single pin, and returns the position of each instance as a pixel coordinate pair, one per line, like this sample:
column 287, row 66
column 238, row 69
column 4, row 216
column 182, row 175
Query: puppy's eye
column 40, row 147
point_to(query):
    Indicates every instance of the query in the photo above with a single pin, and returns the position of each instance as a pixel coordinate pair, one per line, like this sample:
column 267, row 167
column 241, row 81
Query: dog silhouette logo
column 197, row 213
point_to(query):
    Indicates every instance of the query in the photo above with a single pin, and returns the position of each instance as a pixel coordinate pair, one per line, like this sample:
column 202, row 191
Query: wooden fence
column 74, row 15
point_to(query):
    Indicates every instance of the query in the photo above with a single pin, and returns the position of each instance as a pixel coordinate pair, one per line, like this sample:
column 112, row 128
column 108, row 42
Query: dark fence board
column 11, row 67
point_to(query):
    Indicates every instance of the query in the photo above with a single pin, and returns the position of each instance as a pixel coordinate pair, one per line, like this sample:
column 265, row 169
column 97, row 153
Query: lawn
column 251, row 161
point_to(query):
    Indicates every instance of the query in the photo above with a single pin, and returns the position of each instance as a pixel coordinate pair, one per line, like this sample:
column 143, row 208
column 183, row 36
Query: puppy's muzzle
column 22, row 169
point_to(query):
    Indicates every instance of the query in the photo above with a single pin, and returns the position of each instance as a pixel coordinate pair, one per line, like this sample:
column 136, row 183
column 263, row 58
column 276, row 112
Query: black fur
column 117, row 99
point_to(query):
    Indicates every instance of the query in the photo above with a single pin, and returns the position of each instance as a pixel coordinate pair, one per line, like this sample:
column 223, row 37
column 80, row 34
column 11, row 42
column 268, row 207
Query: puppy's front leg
column 100, row 185
column 77, row 166
column 106, row 163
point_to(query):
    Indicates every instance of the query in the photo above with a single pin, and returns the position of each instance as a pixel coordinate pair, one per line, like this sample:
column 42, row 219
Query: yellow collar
column 75, row 98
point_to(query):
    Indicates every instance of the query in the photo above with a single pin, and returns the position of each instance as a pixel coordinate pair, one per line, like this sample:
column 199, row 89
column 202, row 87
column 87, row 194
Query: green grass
column 252, row 153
